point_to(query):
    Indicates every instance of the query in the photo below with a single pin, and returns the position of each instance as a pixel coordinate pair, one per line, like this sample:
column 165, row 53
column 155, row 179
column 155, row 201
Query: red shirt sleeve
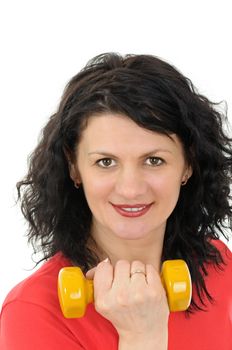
column 31, row 317
column 27, row 326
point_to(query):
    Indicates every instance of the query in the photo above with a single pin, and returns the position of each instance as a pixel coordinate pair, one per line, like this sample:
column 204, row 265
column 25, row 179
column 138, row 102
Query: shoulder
column 224, row 251
column 40, row 287
column 210, row 329
column 221, row 246
column 218, row 278
column 31, row 316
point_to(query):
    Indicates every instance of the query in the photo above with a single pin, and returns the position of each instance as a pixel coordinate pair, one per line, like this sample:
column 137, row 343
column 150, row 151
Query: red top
column 31, row 318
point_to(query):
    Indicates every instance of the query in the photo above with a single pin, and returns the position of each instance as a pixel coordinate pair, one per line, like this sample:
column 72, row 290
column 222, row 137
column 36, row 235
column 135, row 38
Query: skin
column 118, row 162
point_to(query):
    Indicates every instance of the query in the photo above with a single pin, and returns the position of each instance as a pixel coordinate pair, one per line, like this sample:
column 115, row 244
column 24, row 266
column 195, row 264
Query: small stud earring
column 77, row 185
column 184, row 181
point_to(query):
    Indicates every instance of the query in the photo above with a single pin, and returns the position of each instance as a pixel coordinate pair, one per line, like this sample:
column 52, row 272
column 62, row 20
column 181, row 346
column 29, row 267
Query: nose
column 130, row 184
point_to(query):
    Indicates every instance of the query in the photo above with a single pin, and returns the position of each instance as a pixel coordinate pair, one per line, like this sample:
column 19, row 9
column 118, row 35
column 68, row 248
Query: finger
column 103, row 277
column 153, row 277
column 121, row 272
column 138, row 270
column 155, row 285
column 90, row 274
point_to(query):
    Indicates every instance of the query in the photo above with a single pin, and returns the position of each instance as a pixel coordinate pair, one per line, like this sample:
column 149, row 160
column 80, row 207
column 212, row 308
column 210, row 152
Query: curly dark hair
column 156, row 96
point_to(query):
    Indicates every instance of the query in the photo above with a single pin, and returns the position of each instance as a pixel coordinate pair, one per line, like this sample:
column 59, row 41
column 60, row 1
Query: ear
column 189, row 171
column 187, row 174
column 73, row 171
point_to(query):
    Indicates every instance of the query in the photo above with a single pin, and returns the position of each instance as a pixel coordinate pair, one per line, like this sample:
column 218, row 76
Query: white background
column 44, row 43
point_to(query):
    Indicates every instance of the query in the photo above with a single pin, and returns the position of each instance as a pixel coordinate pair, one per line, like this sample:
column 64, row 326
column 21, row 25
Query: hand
column 135, row 304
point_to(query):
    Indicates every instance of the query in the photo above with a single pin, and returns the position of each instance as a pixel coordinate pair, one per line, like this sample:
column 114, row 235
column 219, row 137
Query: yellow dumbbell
column 75, row 292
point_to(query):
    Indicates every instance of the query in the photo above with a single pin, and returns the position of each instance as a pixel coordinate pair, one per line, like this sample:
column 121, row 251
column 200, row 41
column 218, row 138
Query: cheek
column 167, row 187
column 96, row 188
column 166, row 194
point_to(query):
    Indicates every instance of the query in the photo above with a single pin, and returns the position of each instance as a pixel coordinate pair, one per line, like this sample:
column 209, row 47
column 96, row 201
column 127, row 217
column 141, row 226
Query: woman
column 134, row 168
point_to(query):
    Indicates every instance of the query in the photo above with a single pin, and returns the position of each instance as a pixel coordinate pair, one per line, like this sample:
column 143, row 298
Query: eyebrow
column 103, row 153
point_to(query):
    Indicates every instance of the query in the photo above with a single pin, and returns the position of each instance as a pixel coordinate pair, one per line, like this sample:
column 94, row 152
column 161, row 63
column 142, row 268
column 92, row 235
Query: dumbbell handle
column 75, row 292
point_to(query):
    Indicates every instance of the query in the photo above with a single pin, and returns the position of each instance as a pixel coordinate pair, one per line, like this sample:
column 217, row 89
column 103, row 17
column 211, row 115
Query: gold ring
column 138, row 271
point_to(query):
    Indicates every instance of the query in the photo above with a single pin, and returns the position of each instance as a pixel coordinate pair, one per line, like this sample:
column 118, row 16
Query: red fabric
column 31, row 318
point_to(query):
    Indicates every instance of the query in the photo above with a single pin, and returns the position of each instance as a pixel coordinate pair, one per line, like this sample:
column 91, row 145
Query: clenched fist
column 131, row 296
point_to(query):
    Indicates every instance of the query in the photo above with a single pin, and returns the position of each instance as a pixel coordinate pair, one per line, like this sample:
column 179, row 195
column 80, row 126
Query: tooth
column 133, row 209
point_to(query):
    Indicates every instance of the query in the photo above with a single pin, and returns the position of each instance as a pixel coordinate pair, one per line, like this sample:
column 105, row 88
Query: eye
column 155, row 161
column 105, row 162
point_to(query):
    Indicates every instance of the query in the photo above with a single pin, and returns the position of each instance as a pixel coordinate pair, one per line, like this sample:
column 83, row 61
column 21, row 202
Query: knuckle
column 122, row 262
column 156, row 295
column 138, row 298
column 122, row 298
column 137, row 262
column 150, row 267
column 152, row 295
column 102, row 306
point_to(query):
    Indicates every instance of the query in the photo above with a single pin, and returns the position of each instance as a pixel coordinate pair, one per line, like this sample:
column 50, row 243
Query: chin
column 130, row 234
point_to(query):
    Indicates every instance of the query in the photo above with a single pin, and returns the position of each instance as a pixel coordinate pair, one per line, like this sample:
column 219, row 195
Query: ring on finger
column 137, row 271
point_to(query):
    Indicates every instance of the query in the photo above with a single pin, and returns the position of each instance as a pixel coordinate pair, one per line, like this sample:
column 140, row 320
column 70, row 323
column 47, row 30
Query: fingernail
column 106, row 260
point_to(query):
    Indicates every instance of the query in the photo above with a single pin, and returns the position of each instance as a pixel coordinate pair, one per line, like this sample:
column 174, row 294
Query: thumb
column 90, row 274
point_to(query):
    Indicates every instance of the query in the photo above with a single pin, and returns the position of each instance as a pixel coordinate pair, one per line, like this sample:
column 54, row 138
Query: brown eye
column 155, row 161
column 105, row 162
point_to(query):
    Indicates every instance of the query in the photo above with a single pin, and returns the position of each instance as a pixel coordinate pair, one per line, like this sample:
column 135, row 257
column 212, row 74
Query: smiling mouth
column 132, row 211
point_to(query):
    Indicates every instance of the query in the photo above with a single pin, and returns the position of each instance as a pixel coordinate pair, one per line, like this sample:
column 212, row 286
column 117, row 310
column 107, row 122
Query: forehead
column 115, row 132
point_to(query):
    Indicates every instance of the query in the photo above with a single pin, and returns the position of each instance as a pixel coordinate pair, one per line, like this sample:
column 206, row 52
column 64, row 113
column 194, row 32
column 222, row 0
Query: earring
column 184, row 181
column 77, row 185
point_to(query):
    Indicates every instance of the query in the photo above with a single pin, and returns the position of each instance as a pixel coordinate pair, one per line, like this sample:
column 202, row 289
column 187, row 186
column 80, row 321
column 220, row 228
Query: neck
column 148, row 250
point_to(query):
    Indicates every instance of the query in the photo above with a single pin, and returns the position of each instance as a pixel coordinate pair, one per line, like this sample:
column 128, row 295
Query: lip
column 122, row 212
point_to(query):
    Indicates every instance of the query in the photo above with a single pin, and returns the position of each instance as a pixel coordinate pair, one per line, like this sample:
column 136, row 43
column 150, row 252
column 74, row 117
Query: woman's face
column 131, row 176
